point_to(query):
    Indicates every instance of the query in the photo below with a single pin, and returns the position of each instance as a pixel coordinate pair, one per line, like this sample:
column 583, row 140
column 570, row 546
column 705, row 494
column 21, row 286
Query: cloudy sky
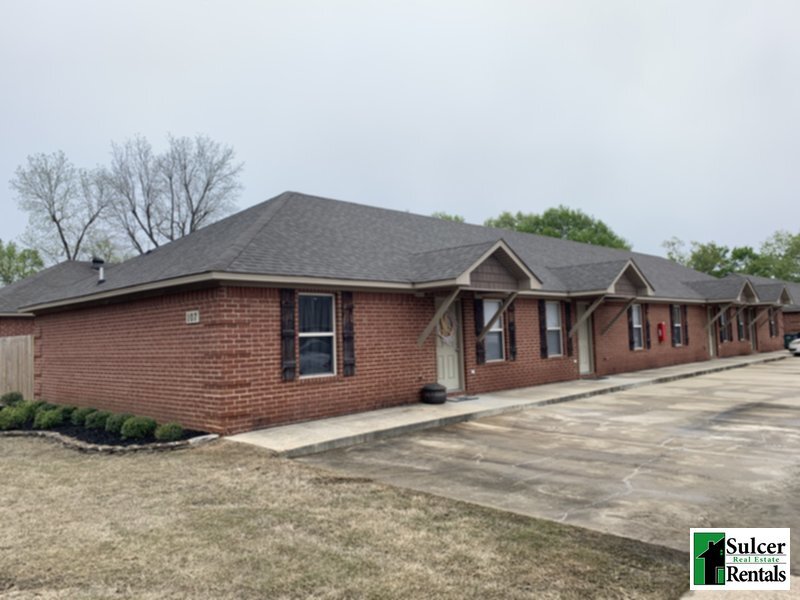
column 673, row 118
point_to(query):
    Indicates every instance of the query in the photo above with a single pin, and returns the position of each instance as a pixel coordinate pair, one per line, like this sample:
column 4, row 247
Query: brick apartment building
column 303, row 307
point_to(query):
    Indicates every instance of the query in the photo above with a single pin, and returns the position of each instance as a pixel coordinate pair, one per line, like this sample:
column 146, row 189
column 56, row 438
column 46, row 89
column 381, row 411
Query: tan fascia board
column 631, row 265
column 536, row 283
column 309, row 282
column 222, row 277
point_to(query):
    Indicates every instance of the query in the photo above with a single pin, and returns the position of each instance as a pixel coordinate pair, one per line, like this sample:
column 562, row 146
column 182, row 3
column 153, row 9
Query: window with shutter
column 635, row 332
column 676, row 322
column 555, row 332
column 316, row 335
column 648, row 340
column 568, row 326
column 685, row 318
column 542, row 329
column 495, row 339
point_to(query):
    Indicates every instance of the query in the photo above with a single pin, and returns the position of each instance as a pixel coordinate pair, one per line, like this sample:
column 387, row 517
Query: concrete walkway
column 326, row 434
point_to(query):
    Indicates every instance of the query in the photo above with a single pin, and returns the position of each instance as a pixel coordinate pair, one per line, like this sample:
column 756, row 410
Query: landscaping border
column 81, row 446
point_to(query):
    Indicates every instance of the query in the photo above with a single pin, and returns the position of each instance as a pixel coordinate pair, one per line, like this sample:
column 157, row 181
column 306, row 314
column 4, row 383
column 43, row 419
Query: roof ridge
column 228, row 257
column 602, row 262
column 486, row 243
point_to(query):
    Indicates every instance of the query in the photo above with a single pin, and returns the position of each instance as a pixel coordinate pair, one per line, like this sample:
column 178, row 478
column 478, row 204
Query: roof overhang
column 16, row 315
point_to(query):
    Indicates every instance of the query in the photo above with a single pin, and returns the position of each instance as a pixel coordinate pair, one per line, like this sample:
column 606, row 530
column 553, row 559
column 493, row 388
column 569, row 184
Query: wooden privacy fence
column 16, row 365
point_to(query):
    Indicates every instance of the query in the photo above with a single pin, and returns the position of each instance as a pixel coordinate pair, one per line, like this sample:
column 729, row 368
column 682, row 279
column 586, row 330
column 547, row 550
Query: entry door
column 712, row 335
column 585, row 342
column 449, row 363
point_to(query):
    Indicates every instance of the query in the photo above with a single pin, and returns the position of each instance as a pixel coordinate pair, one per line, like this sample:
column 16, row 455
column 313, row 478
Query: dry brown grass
column 229, row 521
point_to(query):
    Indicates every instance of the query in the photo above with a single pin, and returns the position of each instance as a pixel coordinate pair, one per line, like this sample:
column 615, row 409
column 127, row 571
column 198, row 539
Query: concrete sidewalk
column 326, row 434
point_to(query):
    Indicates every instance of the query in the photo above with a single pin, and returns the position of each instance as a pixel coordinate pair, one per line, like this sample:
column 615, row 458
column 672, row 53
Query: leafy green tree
column 17, row 263
column 781, row 255
column 710, row 258
column 447, row 217
column 561, row 222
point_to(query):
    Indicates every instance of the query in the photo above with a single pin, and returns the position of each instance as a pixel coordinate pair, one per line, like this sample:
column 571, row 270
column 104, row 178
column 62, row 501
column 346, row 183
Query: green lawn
column 229, row 521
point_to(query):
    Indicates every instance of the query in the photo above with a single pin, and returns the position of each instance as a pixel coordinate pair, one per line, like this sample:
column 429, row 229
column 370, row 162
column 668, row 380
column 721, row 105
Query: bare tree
column 160, row 198
column 64, row 204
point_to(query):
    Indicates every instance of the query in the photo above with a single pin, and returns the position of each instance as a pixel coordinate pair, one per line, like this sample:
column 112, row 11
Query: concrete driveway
column 717, row 450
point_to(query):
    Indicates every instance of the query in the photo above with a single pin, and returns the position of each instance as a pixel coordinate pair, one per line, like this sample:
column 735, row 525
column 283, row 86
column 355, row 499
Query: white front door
column 448, row 347
column 585, row 354
column 712, row 335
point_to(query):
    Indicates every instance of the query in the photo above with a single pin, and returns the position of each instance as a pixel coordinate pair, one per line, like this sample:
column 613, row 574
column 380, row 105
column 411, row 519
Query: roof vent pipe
column 97, row 263
column 101, row 275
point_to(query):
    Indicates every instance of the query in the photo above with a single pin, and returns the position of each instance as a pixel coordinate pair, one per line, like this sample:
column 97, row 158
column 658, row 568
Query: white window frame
column 496, row 328
column 773, row 326
column 637, row 309
column 677, row 324
column 307, row 334
column 560, row 329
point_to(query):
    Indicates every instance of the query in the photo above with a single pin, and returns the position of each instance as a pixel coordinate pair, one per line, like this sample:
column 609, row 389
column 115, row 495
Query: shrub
column 114, row 423
column 11, row 399
column 17, row 417
column 169, row 432
column 79, row 416
column 48, row 419
column 97, row 419
column 138, row 428
column 68, row 410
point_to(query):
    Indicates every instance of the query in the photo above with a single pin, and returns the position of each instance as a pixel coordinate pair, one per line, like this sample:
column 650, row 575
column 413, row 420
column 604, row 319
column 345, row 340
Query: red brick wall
column 734, row 346
column 612, row 350
column 138, row 357
column 390, row 368
column 529, row 368
column 791, row 322
column 765, row 342
column 14, row 326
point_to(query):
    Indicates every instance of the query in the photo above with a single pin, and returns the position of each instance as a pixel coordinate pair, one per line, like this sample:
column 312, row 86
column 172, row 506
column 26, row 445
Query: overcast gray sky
column 661, row 118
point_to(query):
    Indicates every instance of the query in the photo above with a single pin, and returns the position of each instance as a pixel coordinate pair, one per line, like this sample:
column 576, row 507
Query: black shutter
column 568, row 325
column 480, row 349
column 288, row 362
column 348, row 335
column 685, row 327
column 730, row 324
column 672, row 324
column 542, row 329
column 512, row 332
column 648, row 340
column 631, row 341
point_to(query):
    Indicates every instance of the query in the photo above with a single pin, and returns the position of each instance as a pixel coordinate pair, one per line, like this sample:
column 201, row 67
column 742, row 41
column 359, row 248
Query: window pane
column 554, row 343
column 490, row 307
column 494, row 345
column 316, row 314
column 676, row 335
column 316, row 355
column 637, row 315
column 553, row 311
column 637, row 337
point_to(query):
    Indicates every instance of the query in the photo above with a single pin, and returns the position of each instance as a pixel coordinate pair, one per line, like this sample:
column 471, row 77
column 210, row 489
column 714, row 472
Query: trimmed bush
column 79, row 416
column 169, row 432
column 97, row 419
column 68, row 410
column 11, row 399
column 114, row 423
column 138, row 428
column 48, row 419
column 17, row 417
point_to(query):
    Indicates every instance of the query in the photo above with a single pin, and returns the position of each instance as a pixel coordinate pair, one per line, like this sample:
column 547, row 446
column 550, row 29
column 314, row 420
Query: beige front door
column 449, row 364
column 585, row 343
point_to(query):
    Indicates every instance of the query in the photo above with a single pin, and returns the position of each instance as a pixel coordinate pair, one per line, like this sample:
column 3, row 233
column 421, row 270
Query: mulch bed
column 100, row 437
